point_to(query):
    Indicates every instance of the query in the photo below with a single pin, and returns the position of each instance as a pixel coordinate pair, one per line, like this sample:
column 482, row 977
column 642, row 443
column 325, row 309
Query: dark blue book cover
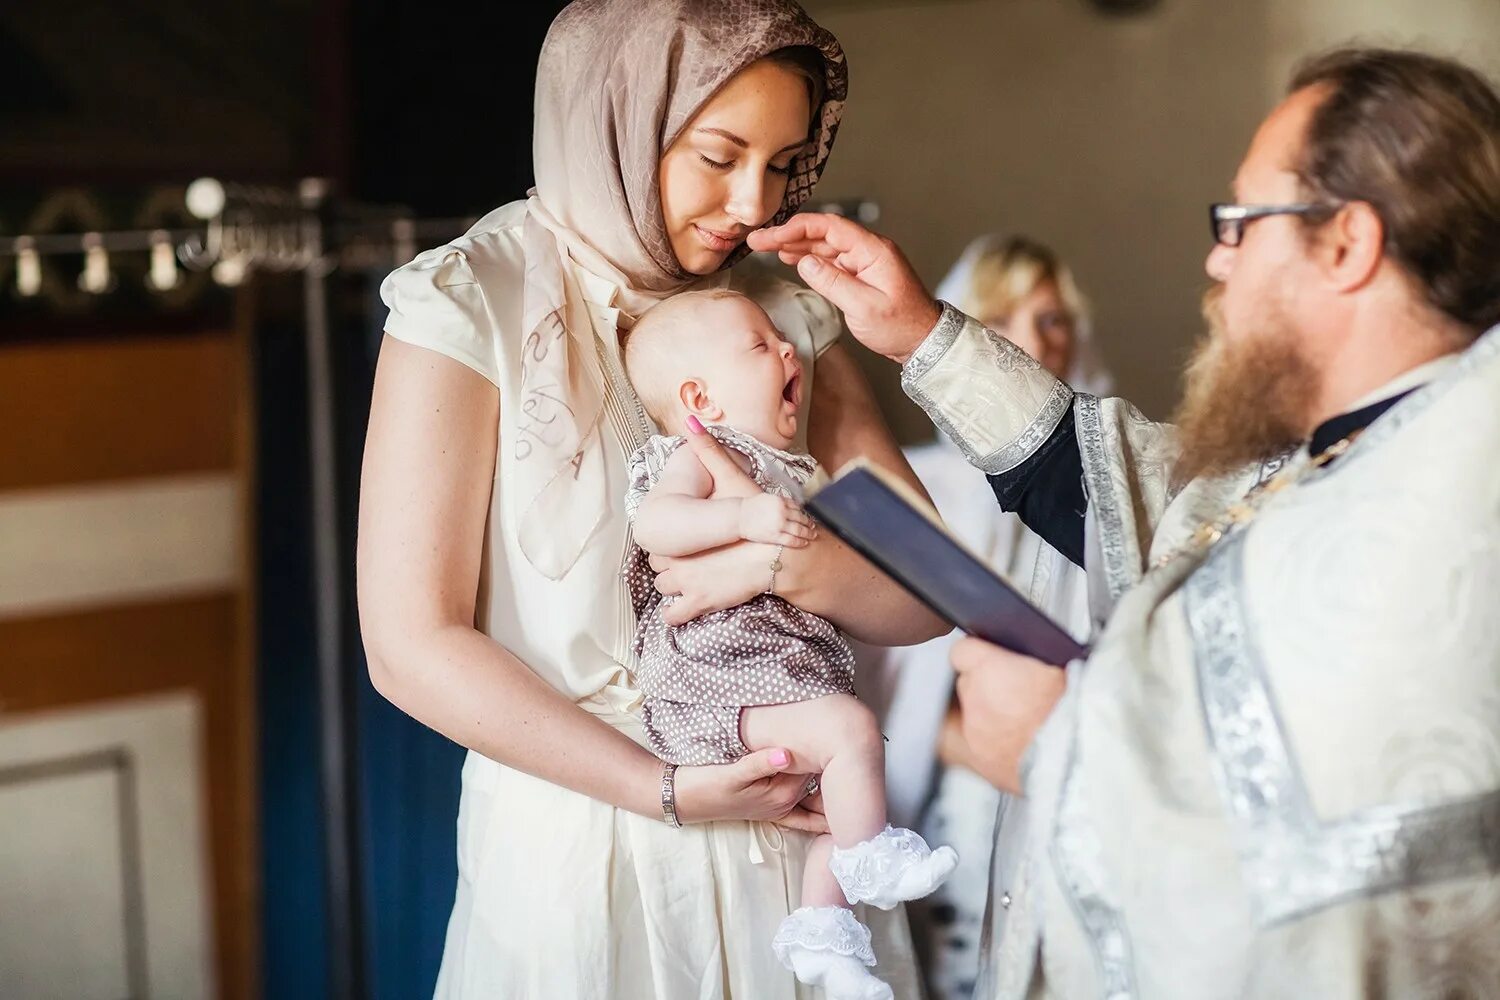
column 891, row 525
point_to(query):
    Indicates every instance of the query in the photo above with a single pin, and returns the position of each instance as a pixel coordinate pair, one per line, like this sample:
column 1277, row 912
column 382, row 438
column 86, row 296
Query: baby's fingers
column 791, row 541
column 798, row 529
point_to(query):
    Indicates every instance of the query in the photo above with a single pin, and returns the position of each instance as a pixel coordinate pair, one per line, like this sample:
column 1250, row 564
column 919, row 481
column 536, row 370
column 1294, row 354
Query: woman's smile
column 719, row 241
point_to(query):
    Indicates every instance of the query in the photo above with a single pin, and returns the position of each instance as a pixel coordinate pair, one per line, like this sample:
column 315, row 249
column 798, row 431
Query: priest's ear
column 693, row 395
column 1351, row 246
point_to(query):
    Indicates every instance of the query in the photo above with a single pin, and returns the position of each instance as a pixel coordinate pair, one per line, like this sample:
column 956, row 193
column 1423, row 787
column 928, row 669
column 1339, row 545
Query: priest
column 1278, row 772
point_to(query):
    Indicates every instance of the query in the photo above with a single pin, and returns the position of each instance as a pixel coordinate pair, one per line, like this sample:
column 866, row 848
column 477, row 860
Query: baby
column 764, row 674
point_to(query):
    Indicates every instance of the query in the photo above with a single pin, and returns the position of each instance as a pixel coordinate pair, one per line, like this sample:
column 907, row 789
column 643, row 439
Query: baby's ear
column 693, row 395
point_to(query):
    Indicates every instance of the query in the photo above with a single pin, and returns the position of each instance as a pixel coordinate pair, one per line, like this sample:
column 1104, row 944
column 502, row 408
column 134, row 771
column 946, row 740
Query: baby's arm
column 679, row 518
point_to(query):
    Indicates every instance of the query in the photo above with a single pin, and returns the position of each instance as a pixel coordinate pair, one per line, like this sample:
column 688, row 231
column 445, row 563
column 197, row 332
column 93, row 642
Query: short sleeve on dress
column 435, row 302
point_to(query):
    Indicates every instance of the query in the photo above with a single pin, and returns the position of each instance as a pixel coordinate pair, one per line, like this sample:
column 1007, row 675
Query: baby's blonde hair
column 654, row 357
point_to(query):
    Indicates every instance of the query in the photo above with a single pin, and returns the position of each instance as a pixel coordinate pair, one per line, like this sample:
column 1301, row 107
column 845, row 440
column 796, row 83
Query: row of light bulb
column 97, row 277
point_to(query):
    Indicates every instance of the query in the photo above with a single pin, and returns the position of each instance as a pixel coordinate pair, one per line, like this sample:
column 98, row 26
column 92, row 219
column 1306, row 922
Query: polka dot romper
column 697, row 677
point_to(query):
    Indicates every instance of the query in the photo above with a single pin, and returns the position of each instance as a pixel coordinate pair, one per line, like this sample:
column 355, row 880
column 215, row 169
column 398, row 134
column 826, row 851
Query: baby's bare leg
column 820, row 887
column 835, row 736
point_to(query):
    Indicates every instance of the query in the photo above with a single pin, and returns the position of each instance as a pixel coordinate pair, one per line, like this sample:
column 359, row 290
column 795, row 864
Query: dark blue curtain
column 407, row 794
column 444, row 135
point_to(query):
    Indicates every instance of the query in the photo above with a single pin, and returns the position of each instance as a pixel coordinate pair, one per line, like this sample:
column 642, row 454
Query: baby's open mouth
column 793, row 391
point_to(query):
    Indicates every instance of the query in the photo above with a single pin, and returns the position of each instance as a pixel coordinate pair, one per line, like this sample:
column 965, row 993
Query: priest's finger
column 838, row 286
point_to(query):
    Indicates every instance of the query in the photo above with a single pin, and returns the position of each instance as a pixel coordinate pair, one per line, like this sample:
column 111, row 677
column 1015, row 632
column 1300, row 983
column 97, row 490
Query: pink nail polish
column 780, row 758
column 694, row 424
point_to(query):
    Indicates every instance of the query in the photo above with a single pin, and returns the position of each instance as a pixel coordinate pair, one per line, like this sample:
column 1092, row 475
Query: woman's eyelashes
column 724, row 165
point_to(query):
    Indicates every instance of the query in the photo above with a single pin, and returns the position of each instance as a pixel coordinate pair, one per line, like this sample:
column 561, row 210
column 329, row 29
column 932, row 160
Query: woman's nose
column 747, row 195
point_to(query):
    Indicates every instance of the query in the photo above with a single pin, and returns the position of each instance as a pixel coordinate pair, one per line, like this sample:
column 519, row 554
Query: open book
column 892, row 526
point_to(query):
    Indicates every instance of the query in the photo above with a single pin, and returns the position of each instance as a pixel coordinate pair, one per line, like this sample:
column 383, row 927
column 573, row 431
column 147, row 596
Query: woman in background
column 1018, row 288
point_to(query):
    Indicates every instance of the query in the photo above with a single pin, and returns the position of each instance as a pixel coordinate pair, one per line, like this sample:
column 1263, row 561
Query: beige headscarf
column 616, row 83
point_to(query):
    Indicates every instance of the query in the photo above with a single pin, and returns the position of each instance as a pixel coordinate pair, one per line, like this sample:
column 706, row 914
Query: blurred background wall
column 1104, row 136
column 162, row 813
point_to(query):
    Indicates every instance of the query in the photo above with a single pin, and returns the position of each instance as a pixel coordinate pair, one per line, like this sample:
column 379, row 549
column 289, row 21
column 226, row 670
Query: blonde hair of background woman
column 995, row 272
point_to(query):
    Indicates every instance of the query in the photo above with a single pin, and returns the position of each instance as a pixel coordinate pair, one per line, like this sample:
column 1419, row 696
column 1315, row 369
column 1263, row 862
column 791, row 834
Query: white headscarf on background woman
column 616, row 82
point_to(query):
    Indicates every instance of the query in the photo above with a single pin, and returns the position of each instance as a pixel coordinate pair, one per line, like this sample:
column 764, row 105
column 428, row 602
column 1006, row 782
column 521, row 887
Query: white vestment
column 1278, row 773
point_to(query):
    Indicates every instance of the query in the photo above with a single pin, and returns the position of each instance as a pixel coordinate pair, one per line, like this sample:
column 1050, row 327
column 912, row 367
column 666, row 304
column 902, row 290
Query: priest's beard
column 1245, row 399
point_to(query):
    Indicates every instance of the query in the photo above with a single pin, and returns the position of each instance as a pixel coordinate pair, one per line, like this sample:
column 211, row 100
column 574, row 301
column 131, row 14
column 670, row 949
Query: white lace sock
column 826, row 946
column 891, row 867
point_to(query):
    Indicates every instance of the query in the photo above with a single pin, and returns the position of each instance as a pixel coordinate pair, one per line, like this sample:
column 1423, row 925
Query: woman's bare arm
column 424, row 499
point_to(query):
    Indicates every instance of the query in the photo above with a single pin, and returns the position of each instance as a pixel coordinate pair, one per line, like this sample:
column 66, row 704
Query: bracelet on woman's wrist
column 669, row 796
column 776, row 567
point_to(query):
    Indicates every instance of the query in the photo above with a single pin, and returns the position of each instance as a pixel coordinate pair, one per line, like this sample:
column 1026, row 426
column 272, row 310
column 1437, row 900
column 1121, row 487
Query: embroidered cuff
column 994, row 400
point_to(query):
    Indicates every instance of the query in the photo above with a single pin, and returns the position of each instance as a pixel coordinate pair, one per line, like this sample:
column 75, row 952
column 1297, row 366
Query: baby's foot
column 842, row 977
column 892, row 867
column 826, row 946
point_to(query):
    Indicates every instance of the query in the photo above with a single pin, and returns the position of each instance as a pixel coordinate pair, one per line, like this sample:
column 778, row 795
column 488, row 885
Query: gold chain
column 1245, row 510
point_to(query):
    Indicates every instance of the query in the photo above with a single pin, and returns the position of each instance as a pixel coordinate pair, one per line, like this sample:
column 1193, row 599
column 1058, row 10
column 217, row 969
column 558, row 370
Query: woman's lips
column 717, row 241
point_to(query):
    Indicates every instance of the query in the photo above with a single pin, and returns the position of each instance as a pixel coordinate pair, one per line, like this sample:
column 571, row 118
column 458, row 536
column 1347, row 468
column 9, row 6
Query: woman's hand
column 755, row 787
column 711, row 581
column 1004, row 698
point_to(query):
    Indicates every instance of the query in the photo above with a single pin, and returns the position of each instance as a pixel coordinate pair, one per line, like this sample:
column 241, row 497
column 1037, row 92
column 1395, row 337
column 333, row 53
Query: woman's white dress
column 560, row 896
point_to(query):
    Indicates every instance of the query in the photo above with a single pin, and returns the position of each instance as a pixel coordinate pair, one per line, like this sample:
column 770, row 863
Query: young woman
column 493, row 534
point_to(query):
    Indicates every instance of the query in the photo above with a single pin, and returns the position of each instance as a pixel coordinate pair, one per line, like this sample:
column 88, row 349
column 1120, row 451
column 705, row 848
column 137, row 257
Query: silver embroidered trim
column 931, row 350
column 1032, row 437
column 1375, row 851
column 1059, row 401
column 1078, row 856
column 1275, row 464
column 1114, row 543
column 1293, row 863
column 823, row 928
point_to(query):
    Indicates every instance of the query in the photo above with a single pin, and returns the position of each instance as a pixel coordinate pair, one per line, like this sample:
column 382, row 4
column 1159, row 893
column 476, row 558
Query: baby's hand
column 775, row 520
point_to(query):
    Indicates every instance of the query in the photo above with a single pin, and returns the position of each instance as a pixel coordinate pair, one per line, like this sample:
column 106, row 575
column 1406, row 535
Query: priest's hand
column 1004, row 698
column 865, row 275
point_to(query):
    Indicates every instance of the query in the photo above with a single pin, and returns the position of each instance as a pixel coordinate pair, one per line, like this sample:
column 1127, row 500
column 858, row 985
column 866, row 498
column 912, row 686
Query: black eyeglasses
column 1228, row 222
